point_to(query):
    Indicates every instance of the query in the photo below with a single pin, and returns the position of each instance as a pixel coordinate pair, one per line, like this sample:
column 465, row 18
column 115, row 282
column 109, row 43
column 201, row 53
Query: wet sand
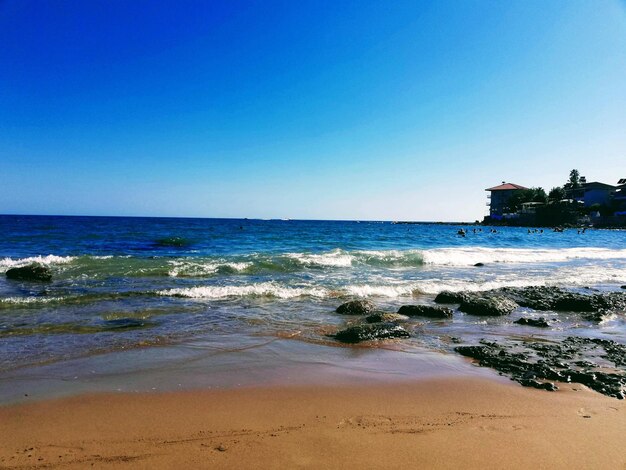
column 440, row 423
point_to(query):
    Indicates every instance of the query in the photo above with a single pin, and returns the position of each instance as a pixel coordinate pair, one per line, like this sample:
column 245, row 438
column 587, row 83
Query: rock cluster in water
column 534, row 364
column 593, row 306
column 381, row 317
column 32, row 272
column 371, row 331
column 356, row 307
column 431, row 311
column 538, row 322
column 492, row 306
column 597, row 363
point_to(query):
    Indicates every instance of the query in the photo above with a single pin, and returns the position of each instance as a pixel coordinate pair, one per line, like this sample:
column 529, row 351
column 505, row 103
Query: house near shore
column 601, row 204
column 619, row 198
column 499, row 198
column 595, row 193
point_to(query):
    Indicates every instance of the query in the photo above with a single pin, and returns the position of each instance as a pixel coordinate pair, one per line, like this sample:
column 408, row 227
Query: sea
column 158, row 303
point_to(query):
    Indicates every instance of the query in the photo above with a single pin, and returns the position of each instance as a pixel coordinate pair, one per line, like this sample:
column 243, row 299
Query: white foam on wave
column 8, row 263
column 472, row 255
column 567, row 277
column 466, row 256
column 334, row 258
column 263, row 289
column 195, row 268
column 29, row 300
column 391, row 291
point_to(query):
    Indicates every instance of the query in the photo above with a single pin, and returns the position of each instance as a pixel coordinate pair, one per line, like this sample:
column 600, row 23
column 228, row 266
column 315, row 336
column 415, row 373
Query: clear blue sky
column 331, row 110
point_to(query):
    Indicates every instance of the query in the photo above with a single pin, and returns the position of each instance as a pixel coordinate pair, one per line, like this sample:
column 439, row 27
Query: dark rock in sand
column 32, row 272
column 550, row 387
column 425, row 311
column 371, row 331
column 531, row 363
column 478, row 265
column 538, row 322
column 488, row 306
column 449, row 297
column 382, row 317
column 356, row 307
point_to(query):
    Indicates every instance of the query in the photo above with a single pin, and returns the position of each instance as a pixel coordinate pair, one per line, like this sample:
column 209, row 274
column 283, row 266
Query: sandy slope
column 452, row 423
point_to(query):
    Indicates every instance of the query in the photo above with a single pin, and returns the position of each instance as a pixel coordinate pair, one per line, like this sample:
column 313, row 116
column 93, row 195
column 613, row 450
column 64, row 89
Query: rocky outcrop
column 371, row 331
column 593, row 306
column 384, row 317
column 425, row 311
column 32, row 272
column 449, row 297
column 488, row 306
column 356, row 307
column 534, row 363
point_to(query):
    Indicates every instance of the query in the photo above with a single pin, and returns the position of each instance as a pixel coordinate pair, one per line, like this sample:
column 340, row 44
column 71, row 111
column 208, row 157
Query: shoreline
column 448, row 423
column 255, row 362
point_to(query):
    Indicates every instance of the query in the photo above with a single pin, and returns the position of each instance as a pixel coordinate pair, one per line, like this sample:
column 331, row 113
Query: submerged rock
column 538, row 322
column 121, row 324
column 32, row 272
column 371, row 331
column 488, row 306
column 356, row 307
column 479, row 265
column 380, row 317
column 425, row 311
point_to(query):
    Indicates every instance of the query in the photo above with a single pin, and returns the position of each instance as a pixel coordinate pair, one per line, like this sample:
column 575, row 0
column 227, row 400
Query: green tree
column 526, row 195
column 556, row 194
column 574, row 180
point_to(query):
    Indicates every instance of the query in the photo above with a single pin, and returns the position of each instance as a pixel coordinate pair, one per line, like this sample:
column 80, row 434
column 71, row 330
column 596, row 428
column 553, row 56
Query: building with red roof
column 499, row 198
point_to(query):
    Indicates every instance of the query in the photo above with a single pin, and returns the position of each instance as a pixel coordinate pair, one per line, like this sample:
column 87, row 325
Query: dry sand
column 452, row 423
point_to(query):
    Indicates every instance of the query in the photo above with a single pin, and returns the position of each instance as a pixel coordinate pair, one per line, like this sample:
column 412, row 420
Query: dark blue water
column 125, row 283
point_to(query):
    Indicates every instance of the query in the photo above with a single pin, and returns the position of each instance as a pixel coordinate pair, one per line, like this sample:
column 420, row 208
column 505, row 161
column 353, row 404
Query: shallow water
column 123, row 284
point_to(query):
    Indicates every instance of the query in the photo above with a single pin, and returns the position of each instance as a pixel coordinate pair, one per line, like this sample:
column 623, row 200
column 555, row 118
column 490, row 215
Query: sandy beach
column 443, row 423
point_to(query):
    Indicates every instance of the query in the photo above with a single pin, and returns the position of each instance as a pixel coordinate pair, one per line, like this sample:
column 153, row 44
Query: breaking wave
column 8, row 263
column 263, row 289
column 473, row 255
column 333, row 260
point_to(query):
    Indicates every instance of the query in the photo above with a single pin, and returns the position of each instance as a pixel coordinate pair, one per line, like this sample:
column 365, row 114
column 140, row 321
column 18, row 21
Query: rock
column 425, row 311
column 356, row 307
column 384, row 317
column 478, row 265
column 592, row 306
column 32, row 272
column 488, row 306
column 535, row 297
column 540, row 385
column 538, row 322
column 595, row 305
column 449, row 297
column 371, row 331
column 623, row 287
column 530, row 363
column 122, row 324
